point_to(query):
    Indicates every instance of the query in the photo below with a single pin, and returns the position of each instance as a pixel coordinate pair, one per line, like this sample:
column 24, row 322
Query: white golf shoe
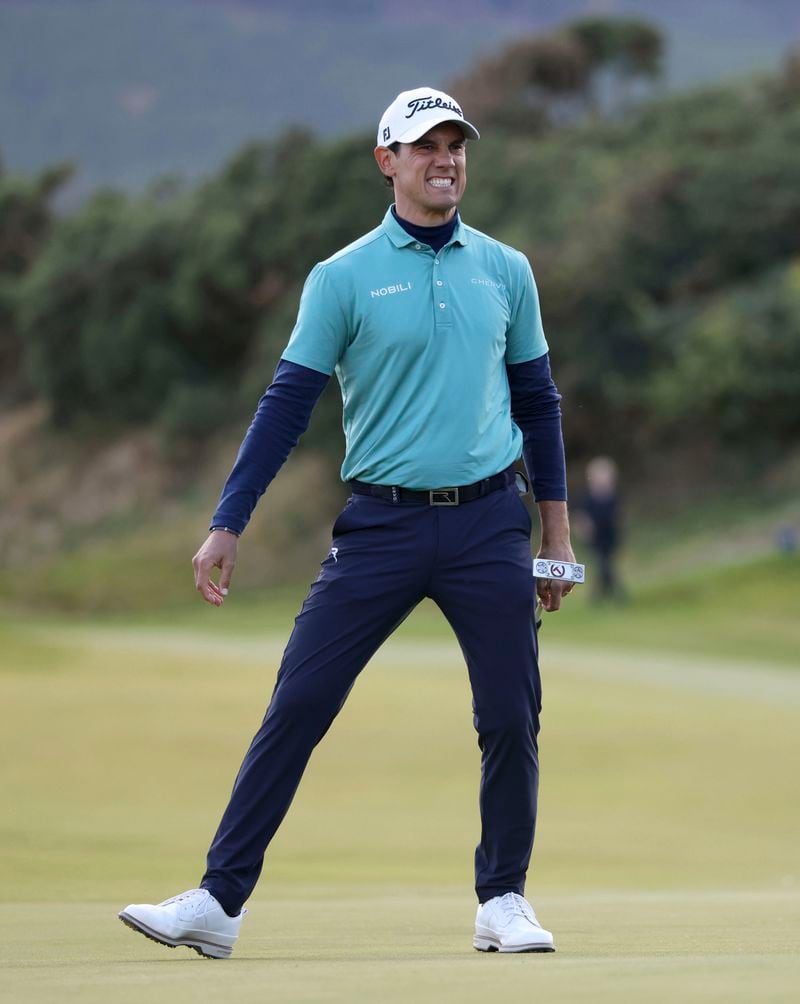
column 508, row 924
column 193, row 918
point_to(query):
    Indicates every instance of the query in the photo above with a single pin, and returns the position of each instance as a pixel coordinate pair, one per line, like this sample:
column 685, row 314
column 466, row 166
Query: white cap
column 413, row 113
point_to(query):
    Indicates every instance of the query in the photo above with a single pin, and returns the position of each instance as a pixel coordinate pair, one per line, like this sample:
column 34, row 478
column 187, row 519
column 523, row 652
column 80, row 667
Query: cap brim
column 420, row 128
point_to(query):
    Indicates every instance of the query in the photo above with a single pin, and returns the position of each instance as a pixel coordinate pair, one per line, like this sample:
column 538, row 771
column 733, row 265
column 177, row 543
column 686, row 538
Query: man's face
column 429, row 175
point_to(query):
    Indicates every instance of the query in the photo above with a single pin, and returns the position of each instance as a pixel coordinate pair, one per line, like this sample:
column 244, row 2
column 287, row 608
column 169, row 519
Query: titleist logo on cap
column 424, row 103
column 413, row 113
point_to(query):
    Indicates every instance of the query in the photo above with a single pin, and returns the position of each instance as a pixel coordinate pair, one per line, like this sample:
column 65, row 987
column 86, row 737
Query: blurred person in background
column 599, row 522
column 787, row 539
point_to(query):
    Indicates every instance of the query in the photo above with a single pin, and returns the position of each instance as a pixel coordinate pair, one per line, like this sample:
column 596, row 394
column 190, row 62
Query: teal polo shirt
column 419, row 341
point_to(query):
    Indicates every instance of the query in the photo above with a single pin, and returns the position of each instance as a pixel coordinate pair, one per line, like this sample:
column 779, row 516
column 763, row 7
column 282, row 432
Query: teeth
column 441, row 182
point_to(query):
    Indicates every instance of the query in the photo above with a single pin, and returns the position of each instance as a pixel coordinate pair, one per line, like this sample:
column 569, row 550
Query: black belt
column 437, row 496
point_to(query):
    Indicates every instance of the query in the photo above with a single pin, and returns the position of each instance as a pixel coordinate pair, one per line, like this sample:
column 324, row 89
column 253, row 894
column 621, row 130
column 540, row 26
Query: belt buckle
column 443, row 496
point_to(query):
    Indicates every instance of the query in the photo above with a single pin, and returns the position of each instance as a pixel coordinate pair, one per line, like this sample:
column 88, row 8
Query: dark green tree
column 620, row 52
column 26, row 219
column 551, row 79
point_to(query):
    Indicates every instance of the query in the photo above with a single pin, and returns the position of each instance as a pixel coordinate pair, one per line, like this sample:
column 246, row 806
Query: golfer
column 434, row 332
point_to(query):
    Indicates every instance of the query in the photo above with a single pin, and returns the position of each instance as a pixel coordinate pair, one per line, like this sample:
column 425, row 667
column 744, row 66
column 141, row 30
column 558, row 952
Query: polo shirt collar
column 401, row 238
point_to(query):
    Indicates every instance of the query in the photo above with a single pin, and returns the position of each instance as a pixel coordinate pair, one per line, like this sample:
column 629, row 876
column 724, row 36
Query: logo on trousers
column 334, row 553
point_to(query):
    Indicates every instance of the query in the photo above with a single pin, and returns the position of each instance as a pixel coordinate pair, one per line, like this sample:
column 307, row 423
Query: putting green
column 401, row 945
column 666, row 860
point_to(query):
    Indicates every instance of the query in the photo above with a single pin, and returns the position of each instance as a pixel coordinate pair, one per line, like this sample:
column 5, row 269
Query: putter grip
column 567, row 571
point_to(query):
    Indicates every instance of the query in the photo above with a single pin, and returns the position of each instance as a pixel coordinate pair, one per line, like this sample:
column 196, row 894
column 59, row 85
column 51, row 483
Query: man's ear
column 386, row 160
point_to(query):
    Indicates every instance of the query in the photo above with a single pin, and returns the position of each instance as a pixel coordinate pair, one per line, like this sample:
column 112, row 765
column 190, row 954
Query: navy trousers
column 474, row 561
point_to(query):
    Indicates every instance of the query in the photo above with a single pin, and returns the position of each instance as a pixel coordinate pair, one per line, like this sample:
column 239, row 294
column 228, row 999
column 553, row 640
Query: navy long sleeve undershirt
column 536, row 410
column 281, row 418
column 283, row 414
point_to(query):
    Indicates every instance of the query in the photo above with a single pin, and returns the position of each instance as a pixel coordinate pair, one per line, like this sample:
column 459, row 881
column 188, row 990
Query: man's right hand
column 218, row 551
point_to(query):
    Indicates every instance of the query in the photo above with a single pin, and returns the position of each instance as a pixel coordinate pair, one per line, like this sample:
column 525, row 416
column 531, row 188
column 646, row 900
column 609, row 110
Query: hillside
column 93, row 528
column 132, row 90
column 104, row 523
column 137, row 333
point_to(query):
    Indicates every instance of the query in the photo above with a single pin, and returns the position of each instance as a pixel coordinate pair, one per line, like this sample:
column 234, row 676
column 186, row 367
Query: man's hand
column 555, row 547
column 219, row 551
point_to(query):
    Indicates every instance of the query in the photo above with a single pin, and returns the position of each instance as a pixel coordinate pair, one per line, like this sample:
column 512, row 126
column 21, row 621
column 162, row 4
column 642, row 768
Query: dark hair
column 389, row 182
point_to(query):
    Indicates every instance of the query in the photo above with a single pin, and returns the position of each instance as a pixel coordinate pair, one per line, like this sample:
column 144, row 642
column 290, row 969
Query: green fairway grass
column 384, row 945
column 666, row 860
column 745, row 611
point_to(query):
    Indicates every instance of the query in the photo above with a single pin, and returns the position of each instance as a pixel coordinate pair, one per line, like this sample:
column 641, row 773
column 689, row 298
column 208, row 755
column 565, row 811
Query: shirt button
column 435, row 261
column 439, row 282
column 442, row 306
column 417, row 247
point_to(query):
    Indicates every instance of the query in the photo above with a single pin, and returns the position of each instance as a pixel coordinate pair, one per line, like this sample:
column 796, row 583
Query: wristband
column 227, row 529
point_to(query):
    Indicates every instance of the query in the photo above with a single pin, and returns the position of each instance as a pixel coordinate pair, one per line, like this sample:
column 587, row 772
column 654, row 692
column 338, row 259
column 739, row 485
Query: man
column 599, row 521
column 434, row 332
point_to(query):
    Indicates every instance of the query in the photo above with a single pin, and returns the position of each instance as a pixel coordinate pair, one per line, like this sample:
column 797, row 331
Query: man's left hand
column 551, row 591
column 555, row 547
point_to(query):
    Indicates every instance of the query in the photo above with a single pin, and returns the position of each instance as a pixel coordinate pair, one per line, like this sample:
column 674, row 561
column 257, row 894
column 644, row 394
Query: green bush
column 660, row 240
column 26, row 218
column 735, row 366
